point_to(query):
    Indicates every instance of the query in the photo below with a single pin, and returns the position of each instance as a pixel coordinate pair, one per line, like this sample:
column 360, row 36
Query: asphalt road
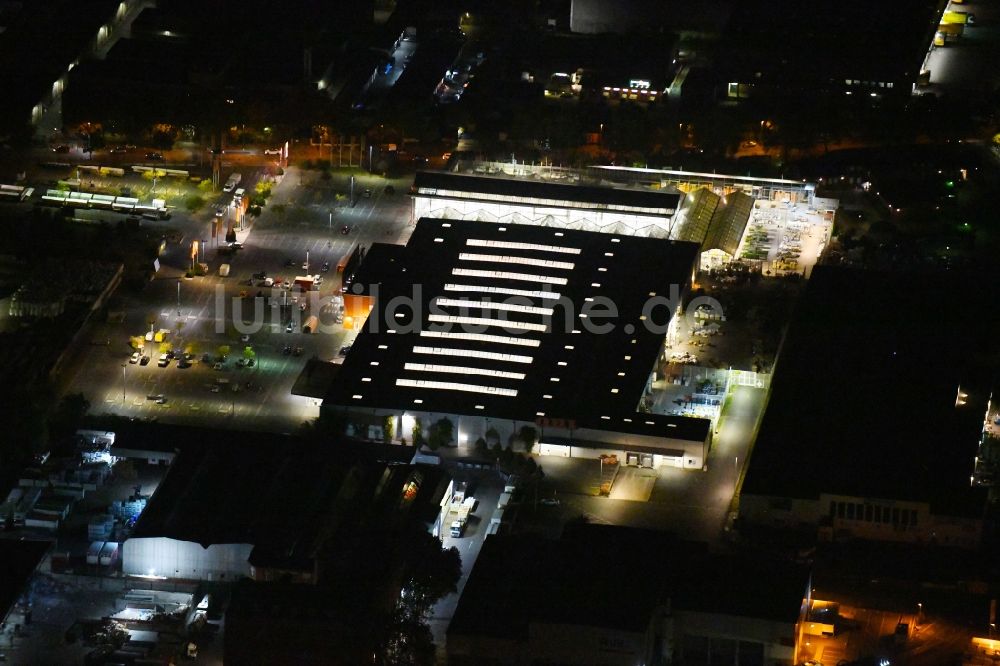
column 973, row 61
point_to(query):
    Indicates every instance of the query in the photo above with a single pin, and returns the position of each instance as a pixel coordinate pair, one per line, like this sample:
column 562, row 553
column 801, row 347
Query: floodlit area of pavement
column 303, row 221
column 785, row 237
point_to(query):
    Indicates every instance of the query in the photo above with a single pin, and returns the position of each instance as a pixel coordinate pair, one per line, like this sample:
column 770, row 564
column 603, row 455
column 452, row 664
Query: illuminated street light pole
column 178, row 298
column 736, row 473
column 124, row 365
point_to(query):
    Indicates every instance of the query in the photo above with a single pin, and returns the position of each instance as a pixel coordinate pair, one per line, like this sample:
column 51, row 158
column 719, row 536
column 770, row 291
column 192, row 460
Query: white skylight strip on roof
column 482, row 337
column 462, row 370
column 486, row 321
column 489, row 305
column 513, row 245
column 508, row 259
column 507, row 275
column 507, row 291
column 455, row 386
column 471, row 353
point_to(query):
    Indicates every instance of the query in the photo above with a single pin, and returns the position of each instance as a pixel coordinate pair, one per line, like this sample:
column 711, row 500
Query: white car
column 244, row 338
column 134, row 358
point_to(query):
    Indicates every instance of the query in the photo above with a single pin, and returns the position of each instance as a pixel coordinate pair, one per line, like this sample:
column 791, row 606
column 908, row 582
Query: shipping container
column 109, row 554
column 94, row 552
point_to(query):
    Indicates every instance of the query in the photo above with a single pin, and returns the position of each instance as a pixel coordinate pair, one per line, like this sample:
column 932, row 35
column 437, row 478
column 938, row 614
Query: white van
column 238, row 194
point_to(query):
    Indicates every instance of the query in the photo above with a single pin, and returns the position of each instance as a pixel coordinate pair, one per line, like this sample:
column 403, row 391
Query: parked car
column 144, row 360
column 154, row 156
column 244, row 338
column 134, row 358
column 345, row 350
column 218, row 366
column 326, row 266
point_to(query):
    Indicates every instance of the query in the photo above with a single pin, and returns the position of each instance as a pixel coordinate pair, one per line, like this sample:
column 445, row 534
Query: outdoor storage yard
column 786, row 238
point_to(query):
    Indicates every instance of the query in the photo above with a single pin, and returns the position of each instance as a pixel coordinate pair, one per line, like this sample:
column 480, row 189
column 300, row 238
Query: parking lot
column 304, row 218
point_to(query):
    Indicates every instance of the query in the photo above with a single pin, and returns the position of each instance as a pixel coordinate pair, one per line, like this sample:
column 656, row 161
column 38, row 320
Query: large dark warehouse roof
column 514, row 355
column 865, row 399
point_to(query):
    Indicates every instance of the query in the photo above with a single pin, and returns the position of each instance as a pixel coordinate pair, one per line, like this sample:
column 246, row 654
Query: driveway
column 634, row 483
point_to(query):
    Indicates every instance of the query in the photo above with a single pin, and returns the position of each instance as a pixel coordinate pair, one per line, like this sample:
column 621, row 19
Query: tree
column 223, row 350
column 323, row 428
column 429, row 573
column 418, row 433
column 193, row 203
column 68, row 415
column 440, row 434
column 248, row 353
column 492, row 436
column 529, row 436
column 388, row 428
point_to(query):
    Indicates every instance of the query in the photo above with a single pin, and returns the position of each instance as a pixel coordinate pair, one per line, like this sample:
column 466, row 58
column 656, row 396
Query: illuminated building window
column 472, row 353
column 484, row 321
column 507, row 275
column 462, row 370
column 507, row 291
column 511, row 245
column 524, row 261
column 481, row 337
column 455, row 386
column 489, row 305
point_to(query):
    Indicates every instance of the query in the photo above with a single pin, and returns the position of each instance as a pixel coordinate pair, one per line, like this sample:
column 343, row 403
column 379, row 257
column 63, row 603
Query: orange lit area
column 816, row 630
column 986, row 647
column 356, row 309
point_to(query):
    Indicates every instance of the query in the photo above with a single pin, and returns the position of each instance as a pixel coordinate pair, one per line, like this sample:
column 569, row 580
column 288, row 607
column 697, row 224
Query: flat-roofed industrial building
column 502, row 328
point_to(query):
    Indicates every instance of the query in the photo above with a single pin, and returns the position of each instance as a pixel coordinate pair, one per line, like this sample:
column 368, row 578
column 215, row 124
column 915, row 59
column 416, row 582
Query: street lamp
column 178, row 298
column 736, row 473
column 124, row 365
